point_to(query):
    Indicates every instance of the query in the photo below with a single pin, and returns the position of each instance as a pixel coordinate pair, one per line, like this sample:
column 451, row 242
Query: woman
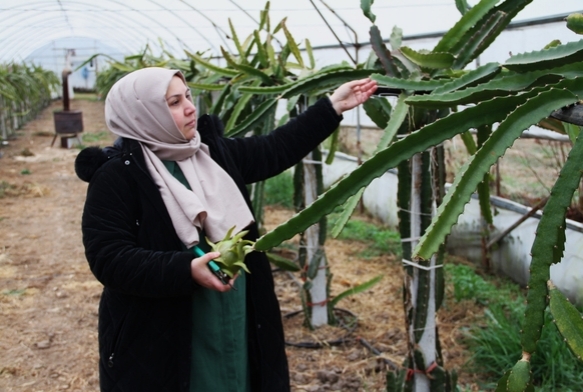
column 166, row 323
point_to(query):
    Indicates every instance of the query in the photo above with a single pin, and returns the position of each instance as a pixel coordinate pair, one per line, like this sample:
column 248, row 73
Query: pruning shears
column 215, row 269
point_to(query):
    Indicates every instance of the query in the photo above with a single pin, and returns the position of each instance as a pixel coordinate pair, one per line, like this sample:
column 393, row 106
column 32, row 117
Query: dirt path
column 49, row 298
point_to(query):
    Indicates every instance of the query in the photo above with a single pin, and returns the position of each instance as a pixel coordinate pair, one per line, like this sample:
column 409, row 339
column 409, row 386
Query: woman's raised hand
column 351, row 94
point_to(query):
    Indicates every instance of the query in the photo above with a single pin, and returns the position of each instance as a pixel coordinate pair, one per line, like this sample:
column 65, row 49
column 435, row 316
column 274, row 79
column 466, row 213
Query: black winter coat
column 131, row 246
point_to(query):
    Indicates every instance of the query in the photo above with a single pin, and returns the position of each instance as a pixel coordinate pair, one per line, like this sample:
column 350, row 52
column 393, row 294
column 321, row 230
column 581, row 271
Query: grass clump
column 6, row 188
column 279, row 190
column 381, row 240
column 95, row 137
column 495, row 343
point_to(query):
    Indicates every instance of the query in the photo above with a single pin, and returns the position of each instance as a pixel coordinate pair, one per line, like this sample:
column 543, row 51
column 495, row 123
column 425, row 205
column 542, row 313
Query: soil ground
column 49, row 298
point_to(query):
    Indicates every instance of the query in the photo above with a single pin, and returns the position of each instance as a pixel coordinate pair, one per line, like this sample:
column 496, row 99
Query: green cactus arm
column 549, row 244
column 310, row 53
column 498, row 86
column 378, row 109
column 366, row 6
column 220, row 101
column 314, row 264
column 282, row 262
column 570, row 52
column 326, row 80
column 347, row 209
column 283, row 88
column 355, row 290
column 433, row 60
column 264, row 20
column 262, row 55
column 519, row 377
column 466, row 182
column 575, row 22
column 255, row 73
column 406, row 84
column 383, row 54
column 465, row 24
column 422, row 304
column 231, row 62
column 266, row 89
column 396, row 120
column 479, row 75
column 211, row 66
column 462, row 6
column 481, row 39
column 235, row 39
column 484, row 133
column 293, row 46
column 567, row 319
column 509, row 7
column 396, row 38
column 253, row 119
column 237, row 110
column 502, row 385
column 438, row 380
column 206, row 87
column 488, row 112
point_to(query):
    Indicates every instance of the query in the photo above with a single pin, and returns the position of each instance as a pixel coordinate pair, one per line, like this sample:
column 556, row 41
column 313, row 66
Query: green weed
column 14, row 292
column 495, row 344
column 467, row 284
column 87, row 96
column 279, row 190
column 5, row 186
column 381, row 240
column 95, row 137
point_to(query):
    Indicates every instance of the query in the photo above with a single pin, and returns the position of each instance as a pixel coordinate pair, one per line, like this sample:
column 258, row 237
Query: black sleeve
column 262, row 157
column 110, row 237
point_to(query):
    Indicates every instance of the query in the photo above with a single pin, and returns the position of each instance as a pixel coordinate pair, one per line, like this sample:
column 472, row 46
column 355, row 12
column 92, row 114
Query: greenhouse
column 348, row 195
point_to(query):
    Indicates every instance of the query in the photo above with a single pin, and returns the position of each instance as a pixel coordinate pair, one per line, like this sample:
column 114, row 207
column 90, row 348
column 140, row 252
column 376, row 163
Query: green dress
column 219, row 360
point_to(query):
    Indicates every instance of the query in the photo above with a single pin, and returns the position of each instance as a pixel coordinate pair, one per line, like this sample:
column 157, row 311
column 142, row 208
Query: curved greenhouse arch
column 146, row 26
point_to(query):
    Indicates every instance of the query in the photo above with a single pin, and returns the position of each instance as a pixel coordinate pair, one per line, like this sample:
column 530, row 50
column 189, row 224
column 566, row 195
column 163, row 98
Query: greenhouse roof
column 124, row 27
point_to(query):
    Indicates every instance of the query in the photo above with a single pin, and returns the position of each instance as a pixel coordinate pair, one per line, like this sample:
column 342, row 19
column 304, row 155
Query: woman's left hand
column 204, row 277
column 351, row 94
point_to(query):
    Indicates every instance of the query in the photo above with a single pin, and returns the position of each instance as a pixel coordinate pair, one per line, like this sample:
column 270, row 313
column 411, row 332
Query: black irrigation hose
column 376, row 352
column 348, row 327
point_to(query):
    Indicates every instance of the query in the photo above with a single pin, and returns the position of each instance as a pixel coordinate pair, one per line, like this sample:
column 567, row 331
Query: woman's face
column 181, row 107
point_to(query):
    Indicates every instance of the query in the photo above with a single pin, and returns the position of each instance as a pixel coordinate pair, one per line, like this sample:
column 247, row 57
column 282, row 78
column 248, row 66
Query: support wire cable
column 332, row 30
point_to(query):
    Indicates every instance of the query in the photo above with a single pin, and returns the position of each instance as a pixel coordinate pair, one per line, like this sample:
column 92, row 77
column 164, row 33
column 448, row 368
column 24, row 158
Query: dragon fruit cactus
column 233, row 251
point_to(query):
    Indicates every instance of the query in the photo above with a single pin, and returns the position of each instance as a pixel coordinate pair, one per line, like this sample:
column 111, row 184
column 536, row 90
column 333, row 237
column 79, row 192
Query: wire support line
column 65, row 15
column 221, row 33
column 415, row 213
column 311, row 247
column 424, row 328
column 419, row 266
column 333, row 32
column 411, row 239
column 312, row 162
column 244, row 11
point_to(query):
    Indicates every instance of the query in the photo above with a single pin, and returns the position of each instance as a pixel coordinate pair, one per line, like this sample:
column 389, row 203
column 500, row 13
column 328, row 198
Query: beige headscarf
column 136, row 108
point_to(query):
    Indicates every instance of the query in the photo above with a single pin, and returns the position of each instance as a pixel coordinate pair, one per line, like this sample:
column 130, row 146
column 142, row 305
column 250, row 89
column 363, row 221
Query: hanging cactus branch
column 529, row 113
column 567, row 318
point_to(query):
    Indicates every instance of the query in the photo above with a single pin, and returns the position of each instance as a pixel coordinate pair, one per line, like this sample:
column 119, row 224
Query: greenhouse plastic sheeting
column 122, row 27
